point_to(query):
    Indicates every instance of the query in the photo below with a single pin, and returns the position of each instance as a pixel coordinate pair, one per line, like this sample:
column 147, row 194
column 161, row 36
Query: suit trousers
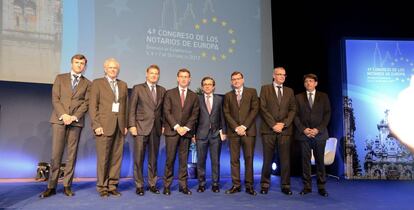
column 109, row 151
column 318, row 147
column 247, row 143
column 271, row 144
column 141, row 143
column 69, row 135
column 183, row 145
column 214, row 144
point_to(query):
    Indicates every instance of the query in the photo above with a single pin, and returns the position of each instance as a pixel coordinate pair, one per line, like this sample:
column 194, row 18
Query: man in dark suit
column 241, row 106
column 108, row 104
column 181, row 110
column 70, row 99
column 311, row 121
column 210, row 133
column 278, row 109
column 145, row 125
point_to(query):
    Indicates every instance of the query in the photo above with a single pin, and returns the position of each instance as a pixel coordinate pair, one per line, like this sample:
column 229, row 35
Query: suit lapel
column 273, row 96
column 305, row 96
column 178, row 95
column 149, row 94
column 159, row 97
column 67, row 84
column 108, row 88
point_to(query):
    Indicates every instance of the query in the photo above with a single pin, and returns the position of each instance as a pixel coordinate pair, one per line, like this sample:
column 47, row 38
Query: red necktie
column 182, row 97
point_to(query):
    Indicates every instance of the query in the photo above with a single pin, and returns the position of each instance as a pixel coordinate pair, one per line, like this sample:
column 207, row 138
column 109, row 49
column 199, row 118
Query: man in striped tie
column 70, row 99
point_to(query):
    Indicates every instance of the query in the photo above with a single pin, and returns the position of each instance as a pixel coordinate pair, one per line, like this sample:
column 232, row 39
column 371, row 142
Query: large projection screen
column 209, row 37
column 378, row 102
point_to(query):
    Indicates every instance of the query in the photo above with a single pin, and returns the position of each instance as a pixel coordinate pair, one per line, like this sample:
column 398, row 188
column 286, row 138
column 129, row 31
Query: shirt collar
column 240, row 89
column 181, row 88
column 73, row 73
column 109, row 79
column 150, row 84
column 313, row 92
column 275, row 85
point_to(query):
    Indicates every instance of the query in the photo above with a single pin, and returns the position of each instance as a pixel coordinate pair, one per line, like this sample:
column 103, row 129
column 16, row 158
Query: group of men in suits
column 183, row 117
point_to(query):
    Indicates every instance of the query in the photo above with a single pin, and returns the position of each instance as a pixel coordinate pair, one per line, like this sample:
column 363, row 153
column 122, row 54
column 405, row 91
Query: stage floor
column 343, row 194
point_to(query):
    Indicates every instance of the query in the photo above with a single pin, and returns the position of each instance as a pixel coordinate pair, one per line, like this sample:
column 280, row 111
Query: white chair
column 329, row 157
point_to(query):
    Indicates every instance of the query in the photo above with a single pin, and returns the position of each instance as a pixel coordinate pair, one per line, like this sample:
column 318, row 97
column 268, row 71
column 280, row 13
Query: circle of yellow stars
column 230, row 31
column 399, row 61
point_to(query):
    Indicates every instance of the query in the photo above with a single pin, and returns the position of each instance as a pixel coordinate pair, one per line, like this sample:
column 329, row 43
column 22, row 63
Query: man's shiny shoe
column 305, row 191
column 185, row 190
column 250, row 191
column 68, row 191
column 215, row 188
column 104, row 194
column 140, row 191
column 154, row 190
column 201, row 189
column 233, row 190
column 49, row 192
column 287, row 191
column 264, row 190
column 114, row 193
column 323, row 192
column 166, row 191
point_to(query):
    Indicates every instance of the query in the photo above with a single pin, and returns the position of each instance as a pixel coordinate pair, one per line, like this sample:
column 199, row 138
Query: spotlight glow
column 274, row 166
column 401, row 117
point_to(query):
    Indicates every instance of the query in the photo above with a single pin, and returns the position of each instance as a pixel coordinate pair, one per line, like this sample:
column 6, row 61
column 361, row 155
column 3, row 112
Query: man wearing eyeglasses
column 241, row 107
column 210, row 133
column 278, row 109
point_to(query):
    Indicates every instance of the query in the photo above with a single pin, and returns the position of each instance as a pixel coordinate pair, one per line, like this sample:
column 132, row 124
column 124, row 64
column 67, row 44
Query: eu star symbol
column 119, row 6
column 120, row 45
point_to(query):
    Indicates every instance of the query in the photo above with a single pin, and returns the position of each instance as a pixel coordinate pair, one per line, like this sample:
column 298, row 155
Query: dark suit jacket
column 143, row 112
column 100, row 106
column 273, row 113
column 175, row 114
column 67, row 102
column 215, row 119
column 318, row 117
column 243, row 115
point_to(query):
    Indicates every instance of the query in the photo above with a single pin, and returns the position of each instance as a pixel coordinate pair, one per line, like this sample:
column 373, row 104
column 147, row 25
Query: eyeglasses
column 283, row 75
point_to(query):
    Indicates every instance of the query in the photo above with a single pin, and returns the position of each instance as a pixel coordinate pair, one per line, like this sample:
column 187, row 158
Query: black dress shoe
column 166, row 191
column 251, row 191
column 104, row 194
column 264, row 190
column 140, row 191
column 305, row 191
column 185, row 190
column 323, row 192
column 154, row 190
column 114, row 193
column 287, row 191
column 68, row 192
column 233, row 190
column 201, row 189
column 49, row 192
column 215, row 188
